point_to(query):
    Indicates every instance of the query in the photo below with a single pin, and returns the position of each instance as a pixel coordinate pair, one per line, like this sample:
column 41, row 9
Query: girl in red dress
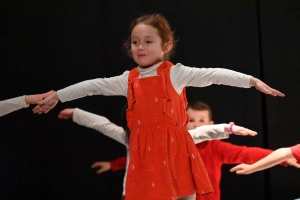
column 164, row 162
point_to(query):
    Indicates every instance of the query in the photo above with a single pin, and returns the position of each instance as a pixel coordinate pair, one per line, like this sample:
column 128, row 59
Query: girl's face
column 146, row 45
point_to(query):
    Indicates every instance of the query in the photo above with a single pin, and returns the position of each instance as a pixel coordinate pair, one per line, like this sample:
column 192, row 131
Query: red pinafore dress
column 164, row 161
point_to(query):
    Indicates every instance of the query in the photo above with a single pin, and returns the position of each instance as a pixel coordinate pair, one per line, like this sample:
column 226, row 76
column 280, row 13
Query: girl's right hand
column 66, row 113
column 45, row 105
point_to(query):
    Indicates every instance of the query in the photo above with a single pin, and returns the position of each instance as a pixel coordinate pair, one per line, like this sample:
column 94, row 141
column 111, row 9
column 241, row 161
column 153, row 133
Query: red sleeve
column 118, row 164
column 296, row 152
column 234, row 154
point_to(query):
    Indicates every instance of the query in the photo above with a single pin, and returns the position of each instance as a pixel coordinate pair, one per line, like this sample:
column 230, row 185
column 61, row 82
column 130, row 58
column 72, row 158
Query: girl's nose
column 141, row 48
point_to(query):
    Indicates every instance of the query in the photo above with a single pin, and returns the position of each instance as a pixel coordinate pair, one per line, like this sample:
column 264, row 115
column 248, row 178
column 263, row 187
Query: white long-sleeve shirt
column 103, row 125
column 10, row 105
column 181, row 77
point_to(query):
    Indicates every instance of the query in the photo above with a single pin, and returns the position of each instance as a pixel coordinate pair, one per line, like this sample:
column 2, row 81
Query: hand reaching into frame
column 35, row 98
column 104, row 166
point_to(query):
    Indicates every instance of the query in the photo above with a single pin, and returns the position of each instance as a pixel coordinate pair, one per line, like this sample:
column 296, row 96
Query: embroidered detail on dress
column 151, row 168
column 165, row 163
column 156, row 99
column 136, row 85
column 132, row 184
column 133, row 167
column 187, row 154
column 135, row 148
column 137, row 101
column 154, row 82
column 203, row 192
column 173, row 198
column 197, row 176
column 172, row 110
column 139, row 122
column 172, row 140
column 161, row 144
column 149, row 149
column 153, row 184
column 155, row 119
column 193, row 156
column 174, row 159
column 169, row 180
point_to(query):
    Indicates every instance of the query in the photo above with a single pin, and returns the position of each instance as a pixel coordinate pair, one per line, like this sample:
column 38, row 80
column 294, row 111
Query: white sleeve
column 116, row 85
column 100, row 124
column 208, row 132
column 10, row 105
column 183, row 76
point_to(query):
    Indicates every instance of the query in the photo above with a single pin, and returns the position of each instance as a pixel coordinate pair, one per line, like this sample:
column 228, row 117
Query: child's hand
column 45, row 105
column 104, row 166
column 66, row 113
column 33, row 99
column 239, row 130
column 261, row 86
column 293, row 162
column 242, row 169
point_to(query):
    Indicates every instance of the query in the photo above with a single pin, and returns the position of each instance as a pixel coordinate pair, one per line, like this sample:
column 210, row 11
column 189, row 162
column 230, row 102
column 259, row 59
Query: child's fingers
column 36, row 109
column 251, row 133
column 276, row 93
column 234, row 169
column 95, row 165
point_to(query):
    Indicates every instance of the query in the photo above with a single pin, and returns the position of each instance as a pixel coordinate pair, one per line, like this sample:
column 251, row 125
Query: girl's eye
column 134, row 42
column 191, row 120
column 149, row 41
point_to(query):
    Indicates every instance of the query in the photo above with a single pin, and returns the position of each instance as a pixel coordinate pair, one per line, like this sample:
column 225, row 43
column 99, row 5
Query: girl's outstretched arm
column 183, row 76
column 272, row 159
column 101, row 86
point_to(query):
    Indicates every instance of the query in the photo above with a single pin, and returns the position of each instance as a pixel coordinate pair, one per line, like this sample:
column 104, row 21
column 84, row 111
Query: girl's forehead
column 144, row 29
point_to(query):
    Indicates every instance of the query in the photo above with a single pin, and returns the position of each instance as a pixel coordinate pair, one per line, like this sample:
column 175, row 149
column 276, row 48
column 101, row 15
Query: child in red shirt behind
column 214, row 153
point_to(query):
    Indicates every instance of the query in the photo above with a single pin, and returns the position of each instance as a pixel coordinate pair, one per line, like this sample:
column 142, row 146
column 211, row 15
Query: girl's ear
column 167, row 46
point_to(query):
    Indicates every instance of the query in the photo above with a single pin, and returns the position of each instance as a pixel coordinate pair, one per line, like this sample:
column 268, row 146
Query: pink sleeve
column 296, row 152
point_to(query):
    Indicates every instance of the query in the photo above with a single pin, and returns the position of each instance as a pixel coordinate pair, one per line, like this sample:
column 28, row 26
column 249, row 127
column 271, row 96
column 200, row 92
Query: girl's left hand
column 261, row 86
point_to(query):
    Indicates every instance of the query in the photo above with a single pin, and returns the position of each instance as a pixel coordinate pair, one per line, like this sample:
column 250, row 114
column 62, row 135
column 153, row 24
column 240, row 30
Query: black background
column 47, row 46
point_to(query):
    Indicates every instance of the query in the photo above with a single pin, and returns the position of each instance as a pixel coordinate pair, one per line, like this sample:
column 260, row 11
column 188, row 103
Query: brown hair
column 164, row 30
column 199, row 105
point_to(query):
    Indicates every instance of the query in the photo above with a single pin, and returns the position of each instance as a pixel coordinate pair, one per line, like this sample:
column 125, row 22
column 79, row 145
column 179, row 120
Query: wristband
column 230, row 127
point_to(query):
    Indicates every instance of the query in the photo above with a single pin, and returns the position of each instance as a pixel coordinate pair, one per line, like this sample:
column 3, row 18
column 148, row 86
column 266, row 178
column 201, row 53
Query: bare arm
column 272, row 159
